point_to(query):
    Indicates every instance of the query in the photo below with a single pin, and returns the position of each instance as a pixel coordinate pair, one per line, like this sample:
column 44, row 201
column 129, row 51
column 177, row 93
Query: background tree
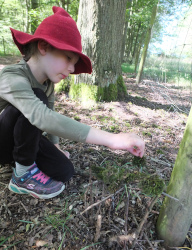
column 34, row 15
column 147, row 40
column 101, row 26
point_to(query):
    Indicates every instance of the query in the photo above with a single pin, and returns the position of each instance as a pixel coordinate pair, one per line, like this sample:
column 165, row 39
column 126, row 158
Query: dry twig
column 97, row 203
column 98, row 228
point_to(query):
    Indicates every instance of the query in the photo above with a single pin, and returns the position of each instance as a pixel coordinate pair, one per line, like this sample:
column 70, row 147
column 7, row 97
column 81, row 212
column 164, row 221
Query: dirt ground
column 158, row 113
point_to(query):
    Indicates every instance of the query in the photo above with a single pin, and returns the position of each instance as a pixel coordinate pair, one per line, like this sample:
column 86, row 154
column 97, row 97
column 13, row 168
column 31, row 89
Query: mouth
column 63, row 76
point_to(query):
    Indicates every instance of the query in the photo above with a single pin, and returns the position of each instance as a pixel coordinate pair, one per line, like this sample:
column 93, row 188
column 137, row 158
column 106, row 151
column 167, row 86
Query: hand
column 131, row 142
column 66, row 153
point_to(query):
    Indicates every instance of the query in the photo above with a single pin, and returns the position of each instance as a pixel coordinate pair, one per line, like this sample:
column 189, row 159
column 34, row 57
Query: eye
column 69, row 58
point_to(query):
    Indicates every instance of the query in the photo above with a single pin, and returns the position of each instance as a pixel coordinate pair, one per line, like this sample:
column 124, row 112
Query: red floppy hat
column 60, row 31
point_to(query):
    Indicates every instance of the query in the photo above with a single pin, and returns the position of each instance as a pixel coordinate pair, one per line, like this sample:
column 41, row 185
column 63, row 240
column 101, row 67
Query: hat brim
column 21, row 38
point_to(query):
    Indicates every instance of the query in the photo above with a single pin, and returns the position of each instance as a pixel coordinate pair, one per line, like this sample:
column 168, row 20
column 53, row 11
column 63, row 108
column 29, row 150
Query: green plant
column 159, row 151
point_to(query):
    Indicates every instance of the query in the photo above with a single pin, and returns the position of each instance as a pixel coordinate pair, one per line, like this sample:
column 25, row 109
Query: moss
column 137, row 161
column 114, row 177
column 146, row 133
column 85, row 92
column 122, row 91
column 77, row 118
column 152, row 185
column 114, row 129
column 127, row 124
column 110, row 93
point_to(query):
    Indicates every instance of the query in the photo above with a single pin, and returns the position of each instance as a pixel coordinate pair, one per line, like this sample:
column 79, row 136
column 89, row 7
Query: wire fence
column 172, row 69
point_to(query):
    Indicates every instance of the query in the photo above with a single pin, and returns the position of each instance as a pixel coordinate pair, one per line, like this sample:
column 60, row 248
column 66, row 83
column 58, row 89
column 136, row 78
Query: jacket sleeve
column 51, row 104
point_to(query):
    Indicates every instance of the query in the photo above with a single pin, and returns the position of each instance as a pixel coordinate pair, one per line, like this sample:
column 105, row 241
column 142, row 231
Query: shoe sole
column 19, row 190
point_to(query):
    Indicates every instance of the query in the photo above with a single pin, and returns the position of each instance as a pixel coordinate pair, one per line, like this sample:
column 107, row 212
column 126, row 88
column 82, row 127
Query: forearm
column 100, row 137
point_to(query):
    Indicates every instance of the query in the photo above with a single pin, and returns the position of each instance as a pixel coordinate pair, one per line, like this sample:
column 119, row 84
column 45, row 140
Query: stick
column 146, row 214
column 160, row 162
column 98, row 228
column 170, row 196
column 1, row 183
column 4, row 176
column 97, row 203
column 143, row 232
column 24, row 206
column 126, row 211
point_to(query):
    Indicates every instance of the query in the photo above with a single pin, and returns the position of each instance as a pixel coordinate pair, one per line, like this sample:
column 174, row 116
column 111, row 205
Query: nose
column 71, row 68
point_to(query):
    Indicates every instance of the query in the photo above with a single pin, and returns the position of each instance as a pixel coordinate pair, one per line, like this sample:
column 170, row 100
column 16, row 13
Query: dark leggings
column 24, row 143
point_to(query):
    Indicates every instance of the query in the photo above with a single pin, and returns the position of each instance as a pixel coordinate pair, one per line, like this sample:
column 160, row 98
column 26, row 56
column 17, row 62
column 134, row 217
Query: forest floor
column 62, row 222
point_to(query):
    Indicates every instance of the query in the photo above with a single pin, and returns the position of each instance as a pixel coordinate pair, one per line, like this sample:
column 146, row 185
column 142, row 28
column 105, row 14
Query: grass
column 171, row 70
column 127, row 68
column 3, row 241
column 59, row 220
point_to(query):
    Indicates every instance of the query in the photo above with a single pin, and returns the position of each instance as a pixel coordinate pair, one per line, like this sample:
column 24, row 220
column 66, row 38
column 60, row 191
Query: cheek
column 59, row 65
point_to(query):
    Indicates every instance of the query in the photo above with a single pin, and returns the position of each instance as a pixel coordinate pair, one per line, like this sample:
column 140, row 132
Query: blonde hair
column 29, row 50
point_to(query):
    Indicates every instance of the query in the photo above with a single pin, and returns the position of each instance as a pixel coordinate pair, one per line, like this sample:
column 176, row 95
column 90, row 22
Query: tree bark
column 101, row 25
column 175, row 217
column 147, row 40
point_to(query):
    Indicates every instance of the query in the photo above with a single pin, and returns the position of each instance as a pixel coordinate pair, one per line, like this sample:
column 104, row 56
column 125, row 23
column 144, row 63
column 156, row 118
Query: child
column 27, row 109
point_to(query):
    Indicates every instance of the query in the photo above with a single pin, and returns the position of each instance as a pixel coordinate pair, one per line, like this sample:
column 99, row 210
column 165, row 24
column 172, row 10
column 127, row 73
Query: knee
column 41, row 95
column 68, row 172
column 11, row 111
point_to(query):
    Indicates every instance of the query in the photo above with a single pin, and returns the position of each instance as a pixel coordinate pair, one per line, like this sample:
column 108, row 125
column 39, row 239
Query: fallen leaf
column 41, row 243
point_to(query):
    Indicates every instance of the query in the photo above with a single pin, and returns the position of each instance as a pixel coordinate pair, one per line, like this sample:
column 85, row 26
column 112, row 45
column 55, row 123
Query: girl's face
column 58, row 64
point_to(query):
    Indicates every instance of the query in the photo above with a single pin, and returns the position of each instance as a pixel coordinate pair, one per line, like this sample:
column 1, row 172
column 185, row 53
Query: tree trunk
column 124, row 40
column 147, row 40
column 34, row 19
column 175, row 217
column 101, row 25
column 27, row 16
column 137, row 54
column 136, row 41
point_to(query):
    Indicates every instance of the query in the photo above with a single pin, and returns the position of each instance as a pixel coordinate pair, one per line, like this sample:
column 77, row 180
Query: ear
column 43, row 47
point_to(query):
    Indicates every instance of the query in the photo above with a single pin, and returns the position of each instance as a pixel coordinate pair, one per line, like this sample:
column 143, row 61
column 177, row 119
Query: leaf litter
column 88, row 215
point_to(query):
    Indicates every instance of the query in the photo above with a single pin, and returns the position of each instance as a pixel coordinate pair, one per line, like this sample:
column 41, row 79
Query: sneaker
column 35, row 183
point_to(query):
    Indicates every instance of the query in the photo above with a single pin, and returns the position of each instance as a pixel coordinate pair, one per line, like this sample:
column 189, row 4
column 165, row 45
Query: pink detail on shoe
column 42, row 177
column 35, row 196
